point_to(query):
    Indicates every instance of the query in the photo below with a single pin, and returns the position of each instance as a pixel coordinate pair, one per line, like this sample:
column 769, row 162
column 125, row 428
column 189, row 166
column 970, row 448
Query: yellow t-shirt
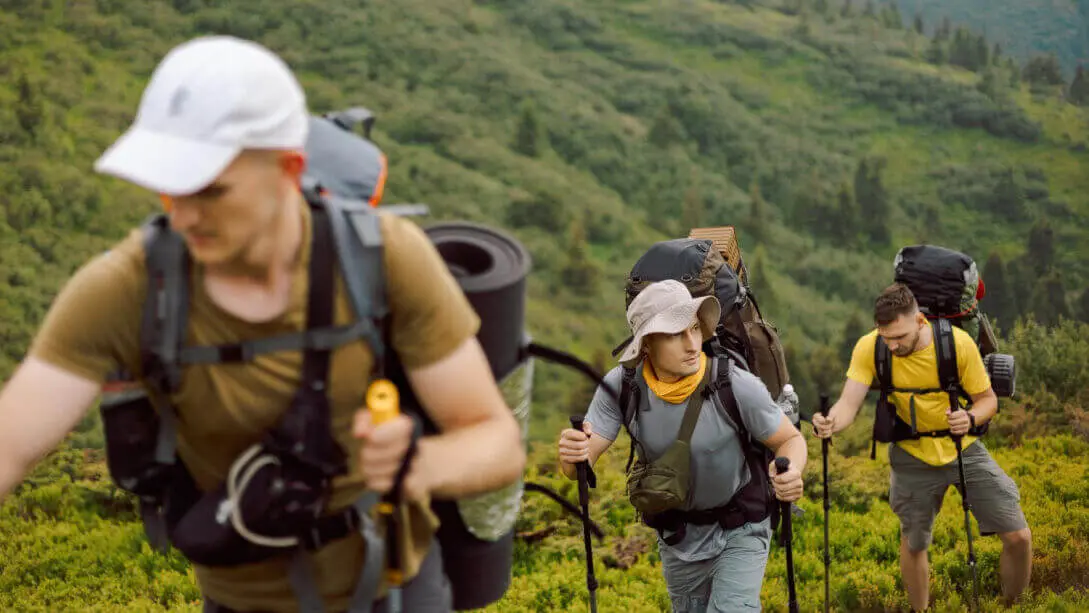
column 920, row 370
column 94, row 324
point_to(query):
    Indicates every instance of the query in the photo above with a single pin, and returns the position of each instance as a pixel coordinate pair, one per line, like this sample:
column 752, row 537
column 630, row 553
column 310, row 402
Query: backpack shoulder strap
column 166, row 306
column 629, row 395
column 629, row 406
column 357, row 237
column 725, row 390
column 882, row 365
column 163, row 325
column 945, row 348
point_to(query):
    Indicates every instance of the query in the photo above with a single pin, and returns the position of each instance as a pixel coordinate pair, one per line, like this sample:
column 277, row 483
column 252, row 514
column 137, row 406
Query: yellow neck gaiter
column 678, row 391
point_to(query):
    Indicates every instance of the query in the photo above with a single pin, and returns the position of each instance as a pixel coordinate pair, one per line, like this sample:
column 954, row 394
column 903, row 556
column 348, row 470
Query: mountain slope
column 647, row 120
column 590, row 129
column 1023, row 27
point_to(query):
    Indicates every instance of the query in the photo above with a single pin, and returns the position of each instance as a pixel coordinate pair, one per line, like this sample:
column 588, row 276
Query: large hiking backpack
column 742, row 337
column 742, row 332
column 342, row 186
column 947, row 286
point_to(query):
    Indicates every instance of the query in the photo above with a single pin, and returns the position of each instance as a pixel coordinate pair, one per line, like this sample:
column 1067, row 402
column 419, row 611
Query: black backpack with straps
column 888, row 426
column 273, row 502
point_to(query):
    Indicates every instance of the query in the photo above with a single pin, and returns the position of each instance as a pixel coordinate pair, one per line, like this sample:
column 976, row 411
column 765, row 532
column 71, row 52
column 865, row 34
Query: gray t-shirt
column 718, row 467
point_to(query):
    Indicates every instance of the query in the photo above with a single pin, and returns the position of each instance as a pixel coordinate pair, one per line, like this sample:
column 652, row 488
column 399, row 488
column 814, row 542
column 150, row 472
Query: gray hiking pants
column 727, row 582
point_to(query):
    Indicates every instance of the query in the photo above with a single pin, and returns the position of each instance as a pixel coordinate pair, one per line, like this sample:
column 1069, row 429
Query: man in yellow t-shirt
column 923, row 469
column 221, row 133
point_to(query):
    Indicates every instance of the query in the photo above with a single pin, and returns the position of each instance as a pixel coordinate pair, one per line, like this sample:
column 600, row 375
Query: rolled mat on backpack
column 491, row 267
column 477, row 533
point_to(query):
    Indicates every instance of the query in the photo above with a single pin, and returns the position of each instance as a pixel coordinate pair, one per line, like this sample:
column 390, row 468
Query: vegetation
column 829, row 133
column 1061, row 30
column 73, row 540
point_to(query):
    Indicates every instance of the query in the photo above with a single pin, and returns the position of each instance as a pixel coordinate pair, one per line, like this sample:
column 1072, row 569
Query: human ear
column 293, row 163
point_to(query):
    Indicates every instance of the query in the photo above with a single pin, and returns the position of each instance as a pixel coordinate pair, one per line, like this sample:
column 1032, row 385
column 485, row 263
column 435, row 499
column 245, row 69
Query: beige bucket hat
column 667, row 307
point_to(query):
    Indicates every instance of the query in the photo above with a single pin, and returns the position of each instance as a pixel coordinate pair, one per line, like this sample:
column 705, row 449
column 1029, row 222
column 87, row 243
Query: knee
column 1020, row 539
column 915, row 543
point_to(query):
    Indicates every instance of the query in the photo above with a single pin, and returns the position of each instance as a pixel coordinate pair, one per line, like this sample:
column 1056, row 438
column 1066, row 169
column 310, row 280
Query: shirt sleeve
column 970, row 368
column 92, row 326
column 861, row 368
column 758, row 410
column 604, row 415
column 430, row 315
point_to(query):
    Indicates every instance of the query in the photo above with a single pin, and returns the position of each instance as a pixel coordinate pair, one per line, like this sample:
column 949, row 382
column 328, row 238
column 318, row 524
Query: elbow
column 511, row 458
column 515, row 457
column 516, row 465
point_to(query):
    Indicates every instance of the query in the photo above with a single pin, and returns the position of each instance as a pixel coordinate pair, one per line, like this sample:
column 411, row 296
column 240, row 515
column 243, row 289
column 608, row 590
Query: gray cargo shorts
column 729, row 582
column 917, row 490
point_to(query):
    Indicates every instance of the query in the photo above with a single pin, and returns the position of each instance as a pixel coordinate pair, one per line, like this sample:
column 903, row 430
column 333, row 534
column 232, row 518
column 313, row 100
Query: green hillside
column 591, row 129
column 637, row 122
column 1023, row 27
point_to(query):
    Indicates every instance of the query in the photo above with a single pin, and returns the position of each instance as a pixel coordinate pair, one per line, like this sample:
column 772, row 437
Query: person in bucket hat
column 667, row 307
column 714, row 546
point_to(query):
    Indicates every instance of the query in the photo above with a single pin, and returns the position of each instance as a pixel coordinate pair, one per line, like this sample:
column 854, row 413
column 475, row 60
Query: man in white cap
column 714, row 545
column 219, row 136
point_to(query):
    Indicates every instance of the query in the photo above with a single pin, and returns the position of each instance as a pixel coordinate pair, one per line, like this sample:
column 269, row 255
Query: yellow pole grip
column 383, row 401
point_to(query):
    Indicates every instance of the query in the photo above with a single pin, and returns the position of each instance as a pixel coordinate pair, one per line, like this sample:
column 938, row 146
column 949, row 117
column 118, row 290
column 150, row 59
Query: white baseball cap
column 206, row 101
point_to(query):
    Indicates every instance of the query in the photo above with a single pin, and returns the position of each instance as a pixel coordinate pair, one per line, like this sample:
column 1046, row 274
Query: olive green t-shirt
column 93, row 326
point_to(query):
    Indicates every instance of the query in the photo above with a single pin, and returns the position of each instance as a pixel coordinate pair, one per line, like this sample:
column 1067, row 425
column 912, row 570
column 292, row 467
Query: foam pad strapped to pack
column 491, row 267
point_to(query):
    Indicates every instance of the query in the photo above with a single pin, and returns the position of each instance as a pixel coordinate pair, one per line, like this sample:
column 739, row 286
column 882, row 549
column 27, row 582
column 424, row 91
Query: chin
column 687, row 371
column 207, row 253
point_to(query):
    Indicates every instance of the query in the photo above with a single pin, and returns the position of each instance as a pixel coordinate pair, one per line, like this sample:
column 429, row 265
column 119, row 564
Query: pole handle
column 383, row 401
column 782, row 464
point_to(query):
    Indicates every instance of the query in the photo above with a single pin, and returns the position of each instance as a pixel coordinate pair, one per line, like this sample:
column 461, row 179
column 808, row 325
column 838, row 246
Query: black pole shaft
column 955, row 404
column 582, row 470
column 782, row 464
column 967, row 525
column 824, row 459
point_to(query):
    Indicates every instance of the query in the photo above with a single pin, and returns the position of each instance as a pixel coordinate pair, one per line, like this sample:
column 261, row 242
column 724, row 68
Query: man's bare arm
column 846, row 408
column 39, row 406
column 984, row 406
column 480, row 448
column 787, row 441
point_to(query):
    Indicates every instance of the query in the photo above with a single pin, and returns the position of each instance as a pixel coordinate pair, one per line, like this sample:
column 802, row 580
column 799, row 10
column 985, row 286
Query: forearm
column 984, row 410
column 569, row 470
column 473, row 460
column 794, row 448
column 844, row 414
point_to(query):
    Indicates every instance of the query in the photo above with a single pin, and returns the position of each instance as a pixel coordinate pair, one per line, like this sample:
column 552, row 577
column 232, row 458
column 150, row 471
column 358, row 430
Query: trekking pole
column 966, row 507
column 824, row 459
column 384, row 404
column 782, row 464
column 587, row 479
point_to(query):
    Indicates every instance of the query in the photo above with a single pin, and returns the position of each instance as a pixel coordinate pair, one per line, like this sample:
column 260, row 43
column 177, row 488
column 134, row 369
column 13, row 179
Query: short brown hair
column 894, row 301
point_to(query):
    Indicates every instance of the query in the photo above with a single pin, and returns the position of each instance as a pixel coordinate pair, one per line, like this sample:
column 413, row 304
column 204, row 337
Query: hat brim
column 673, row 320
column 164, row 163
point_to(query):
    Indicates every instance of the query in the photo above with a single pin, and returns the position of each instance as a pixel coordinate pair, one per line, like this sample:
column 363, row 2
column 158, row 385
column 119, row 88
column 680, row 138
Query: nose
column 692, row 339
column 185, row 214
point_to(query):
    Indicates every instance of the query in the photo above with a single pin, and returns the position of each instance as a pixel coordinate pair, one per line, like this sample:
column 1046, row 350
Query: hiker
column 923, row 467
column 219, row 136
column 714, row 547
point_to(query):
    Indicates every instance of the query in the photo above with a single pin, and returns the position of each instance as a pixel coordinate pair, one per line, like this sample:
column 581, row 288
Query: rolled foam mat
column 491, row 267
